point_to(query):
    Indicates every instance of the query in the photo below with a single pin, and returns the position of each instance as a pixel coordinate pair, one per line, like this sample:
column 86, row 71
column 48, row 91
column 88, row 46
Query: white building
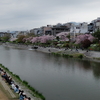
column 78, row 28
column 37, row 31
column 83, row 28
column 96, row 23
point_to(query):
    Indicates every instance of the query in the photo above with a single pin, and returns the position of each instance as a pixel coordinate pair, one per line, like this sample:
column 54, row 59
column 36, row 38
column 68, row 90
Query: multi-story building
column 59, row 28
column 83, row 28
column 91, row 28
column 96, row 24
column 78, row 28
column 47, row 30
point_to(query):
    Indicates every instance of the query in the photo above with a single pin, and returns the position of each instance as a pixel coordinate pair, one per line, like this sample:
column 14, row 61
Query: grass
column 74, row 55
column 78, row 55
column 96, row 58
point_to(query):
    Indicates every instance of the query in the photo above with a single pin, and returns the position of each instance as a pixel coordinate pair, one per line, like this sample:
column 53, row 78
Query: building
column 96, row 24
column 47, row 30
column 14, row 34
column 37, row 31
column 78, row 28
column 91, row 28
column 3, row 34
column 83, row 28
column 59, row 28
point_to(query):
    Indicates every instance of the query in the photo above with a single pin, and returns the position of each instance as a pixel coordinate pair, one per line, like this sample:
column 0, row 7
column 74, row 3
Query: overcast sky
column 28, row 14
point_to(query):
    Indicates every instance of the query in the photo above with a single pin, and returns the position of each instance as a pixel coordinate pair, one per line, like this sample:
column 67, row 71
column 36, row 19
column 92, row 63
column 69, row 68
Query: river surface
column 56, row 78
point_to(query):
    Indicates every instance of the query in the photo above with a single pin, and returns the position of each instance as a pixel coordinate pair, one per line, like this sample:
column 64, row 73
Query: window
column 77, row 27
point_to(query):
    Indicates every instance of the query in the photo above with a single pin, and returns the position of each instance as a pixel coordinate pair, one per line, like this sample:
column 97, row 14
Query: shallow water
column 55, row 77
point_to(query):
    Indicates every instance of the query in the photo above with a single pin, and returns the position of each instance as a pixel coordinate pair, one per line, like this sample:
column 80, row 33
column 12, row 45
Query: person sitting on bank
column 16, row 89
column 49, row 50
column 21, row 97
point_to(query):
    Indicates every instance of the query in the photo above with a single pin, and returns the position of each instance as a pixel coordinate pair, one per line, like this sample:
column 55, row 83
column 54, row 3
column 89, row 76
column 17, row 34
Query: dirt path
column 3, row 96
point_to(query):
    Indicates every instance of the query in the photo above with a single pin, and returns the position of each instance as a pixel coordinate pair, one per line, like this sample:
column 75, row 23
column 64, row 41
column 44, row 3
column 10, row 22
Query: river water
column 56, row 78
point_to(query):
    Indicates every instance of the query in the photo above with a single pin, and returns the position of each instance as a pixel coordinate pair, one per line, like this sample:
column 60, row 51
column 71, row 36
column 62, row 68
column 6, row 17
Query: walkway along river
column 56, row 78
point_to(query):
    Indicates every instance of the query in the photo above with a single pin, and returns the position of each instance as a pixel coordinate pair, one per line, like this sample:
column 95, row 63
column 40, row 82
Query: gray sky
column 29, row 14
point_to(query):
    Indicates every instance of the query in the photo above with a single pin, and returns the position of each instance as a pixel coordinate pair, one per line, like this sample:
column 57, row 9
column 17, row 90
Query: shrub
column 25, row 82
column 86, row 43
column 80, row 56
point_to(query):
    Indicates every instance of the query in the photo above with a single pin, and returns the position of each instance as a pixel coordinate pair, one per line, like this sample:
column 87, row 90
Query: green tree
column 20, row 38
column 6, row 37
column 97, row 34
column 30, row 35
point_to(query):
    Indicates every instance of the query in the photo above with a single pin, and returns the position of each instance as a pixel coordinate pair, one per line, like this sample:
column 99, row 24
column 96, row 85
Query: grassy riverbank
column 32, row 91
column 67, row 55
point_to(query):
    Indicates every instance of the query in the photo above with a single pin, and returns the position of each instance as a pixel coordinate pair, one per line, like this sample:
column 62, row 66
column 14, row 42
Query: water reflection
column 96, row 69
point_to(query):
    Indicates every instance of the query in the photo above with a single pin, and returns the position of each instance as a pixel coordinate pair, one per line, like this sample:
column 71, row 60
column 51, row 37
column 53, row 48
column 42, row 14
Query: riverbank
column 88, row 54
column 5, row 92
column 22, row 84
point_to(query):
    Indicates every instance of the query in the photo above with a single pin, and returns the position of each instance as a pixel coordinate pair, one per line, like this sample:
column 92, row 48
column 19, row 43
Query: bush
column 95, row 47
column 80, row 56
column 65, row 55
column 25, row 82
column 86, row 43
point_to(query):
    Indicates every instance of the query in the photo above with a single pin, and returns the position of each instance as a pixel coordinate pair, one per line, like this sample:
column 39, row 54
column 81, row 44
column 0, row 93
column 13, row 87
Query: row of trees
column 63, row 38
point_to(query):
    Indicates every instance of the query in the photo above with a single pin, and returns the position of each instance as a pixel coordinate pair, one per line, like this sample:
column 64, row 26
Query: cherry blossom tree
column 41, row 39
column 26, row 40
column 81, row 38
column 34, row 40
column 46, row 38
column 63, row 36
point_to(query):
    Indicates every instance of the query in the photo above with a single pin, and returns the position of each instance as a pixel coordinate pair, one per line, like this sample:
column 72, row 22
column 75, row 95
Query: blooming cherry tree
column 46, row 38
column 41, row 39
column 27, row 39
column 63, row 36
column 34, row 40
column 81, row 38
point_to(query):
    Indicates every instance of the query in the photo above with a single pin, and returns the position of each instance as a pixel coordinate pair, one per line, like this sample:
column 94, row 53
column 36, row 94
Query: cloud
column 28, row 14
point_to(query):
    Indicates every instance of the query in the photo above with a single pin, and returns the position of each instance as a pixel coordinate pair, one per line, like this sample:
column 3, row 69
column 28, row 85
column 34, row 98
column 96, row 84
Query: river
column 56, row 78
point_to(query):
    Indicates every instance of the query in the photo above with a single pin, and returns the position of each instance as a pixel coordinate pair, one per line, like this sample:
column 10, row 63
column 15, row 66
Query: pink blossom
column 83, row 37
column 27, row 39
column 13, row 39
column 63, row 36
column 46, row 38
column 42, row 39
column 34, row 40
